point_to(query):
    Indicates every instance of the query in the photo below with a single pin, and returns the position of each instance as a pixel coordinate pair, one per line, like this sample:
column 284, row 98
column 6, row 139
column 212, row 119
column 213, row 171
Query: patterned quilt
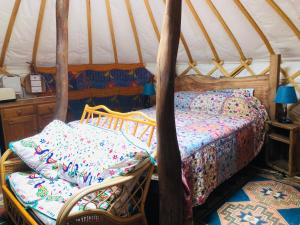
column 218, row 134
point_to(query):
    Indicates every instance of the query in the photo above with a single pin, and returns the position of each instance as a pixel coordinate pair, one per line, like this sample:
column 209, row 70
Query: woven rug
column 260, row 201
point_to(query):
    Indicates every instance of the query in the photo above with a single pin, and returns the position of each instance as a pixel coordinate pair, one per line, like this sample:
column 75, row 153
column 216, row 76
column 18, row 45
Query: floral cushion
column 83, row 155
column 41, row 152
column 236, row 106
column 246, row 92
column 209, row 103
column 48, row 196
column 183, row 99
column 99, row 153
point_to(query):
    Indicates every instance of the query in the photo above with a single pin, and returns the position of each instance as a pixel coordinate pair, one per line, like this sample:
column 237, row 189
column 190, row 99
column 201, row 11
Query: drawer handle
column 19, row 112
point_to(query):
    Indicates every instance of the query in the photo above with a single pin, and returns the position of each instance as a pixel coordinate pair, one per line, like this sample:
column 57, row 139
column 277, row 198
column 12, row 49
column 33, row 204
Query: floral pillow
column 208, row 102
column 183, row 99
column 42, row 151
column 237, row 106
column 98, row 154
column 246, row 92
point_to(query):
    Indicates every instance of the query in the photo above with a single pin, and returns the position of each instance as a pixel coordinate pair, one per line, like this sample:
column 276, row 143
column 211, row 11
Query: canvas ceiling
column 283, row 37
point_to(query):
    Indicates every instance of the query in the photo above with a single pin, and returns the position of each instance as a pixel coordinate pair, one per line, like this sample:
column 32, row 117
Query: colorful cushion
column 183, row 99
column 208, row 102
column 98, row 154
column 236, row 106
column 246, row 92
column 48, row 196
column 41, row 152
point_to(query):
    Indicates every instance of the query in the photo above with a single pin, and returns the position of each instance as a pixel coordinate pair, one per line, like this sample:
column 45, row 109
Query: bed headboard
column 264, row 86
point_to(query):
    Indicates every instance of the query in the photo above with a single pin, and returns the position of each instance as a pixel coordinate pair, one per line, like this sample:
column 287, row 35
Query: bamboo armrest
column 68, row 206
column 10, row 163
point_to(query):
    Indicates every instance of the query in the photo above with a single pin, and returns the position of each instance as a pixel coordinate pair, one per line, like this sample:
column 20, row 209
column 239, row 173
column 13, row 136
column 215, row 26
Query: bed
column 218, row 139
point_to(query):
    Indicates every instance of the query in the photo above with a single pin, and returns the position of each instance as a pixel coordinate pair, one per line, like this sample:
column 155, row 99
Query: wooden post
column 62, row 11
column 275, row 62
column 169, row 160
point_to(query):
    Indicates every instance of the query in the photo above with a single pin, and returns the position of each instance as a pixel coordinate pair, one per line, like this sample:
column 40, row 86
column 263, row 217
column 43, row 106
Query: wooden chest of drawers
column 24, row 118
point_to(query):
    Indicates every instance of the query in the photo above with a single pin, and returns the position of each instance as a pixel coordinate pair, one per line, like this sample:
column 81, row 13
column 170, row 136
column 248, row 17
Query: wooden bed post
column 275, row 61
column 169, row 160
column 62, row 11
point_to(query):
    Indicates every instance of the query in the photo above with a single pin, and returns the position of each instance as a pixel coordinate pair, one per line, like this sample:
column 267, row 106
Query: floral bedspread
column 214, row 146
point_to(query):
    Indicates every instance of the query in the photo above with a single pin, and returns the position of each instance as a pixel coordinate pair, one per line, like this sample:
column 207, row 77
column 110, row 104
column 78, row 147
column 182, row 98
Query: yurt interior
column 150, row 112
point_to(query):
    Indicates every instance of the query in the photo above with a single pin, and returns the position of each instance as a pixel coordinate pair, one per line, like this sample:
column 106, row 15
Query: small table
column 283, row 147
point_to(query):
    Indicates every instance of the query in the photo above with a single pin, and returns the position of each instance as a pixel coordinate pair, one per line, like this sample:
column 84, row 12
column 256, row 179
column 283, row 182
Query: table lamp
column 149, row 91
column 285, row 95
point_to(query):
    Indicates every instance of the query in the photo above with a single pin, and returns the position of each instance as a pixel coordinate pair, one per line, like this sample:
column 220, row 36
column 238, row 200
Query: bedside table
column 283, row 149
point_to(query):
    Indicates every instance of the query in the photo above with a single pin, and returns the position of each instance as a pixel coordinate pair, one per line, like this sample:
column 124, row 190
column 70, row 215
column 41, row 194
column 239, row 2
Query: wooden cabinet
column 283, row 149
column 24, row 118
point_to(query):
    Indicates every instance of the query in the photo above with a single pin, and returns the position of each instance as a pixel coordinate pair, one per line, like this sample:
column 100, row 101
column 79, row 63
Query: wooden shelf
column 281, row 165
column 280, row 138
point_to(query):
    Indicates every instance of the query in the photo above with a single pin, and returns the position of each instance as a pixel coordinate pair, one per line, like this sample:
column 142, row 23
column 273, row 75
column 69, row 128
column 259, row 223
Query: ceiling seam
column 38, row 31
column 89, row 27
column 111, row 28
column 255, row 26
column 282, row 14
column 226, row 28
column 204, row 31
column 134, row 30
column 9, row 30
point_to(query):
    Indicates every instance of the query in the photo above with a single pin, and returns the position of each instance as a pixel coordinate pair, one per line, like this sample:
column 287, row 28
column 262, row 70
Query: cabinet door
column 19, row 128
column 45, row 114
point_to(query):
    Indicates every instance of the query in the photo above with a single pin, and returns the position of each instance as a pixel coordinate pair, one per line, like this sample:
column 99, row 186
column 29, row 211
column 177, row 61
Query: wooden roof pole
column 134, row 30
column 226, row 28
column 111, row 29
column 150, row 14
column 9, row 30
column 61, row 107
column 281, row 13
column 204, row 31
column 169, row 161
column 89, row 26
column 38, row 31
column 255, row 26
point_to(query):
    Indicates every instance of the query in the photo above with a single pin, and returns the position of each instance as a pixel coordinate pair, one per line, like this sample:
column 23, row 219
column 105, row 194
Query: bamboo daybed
column 142, row 176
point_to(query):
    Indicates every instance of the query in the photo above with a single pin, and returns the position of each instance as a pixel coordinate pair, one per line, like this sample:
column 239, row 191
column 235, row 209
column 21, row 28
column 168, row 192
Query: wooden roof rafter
column 89, row 27
column 282, row 14
column 111, row 29
column 38, row 31
column 150, row 14
column 227, row 29
column 9, row 30
column 255, row 26
column 204, row 31
column 134, row 30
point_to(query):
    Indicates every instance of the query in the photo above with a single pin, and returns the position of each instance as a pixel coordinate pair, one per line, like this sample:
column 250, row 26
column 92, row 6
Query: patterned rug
column 261, row 201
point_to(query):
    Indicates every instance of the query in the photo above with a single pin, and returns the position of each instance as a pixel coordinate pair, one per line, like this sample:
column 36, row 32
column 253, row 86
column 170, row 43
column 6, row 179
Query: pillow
column 208, row 102
column 237, row 106
column 247, row 92
column 42, row 151
column 99, row 154
column 183, row 99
